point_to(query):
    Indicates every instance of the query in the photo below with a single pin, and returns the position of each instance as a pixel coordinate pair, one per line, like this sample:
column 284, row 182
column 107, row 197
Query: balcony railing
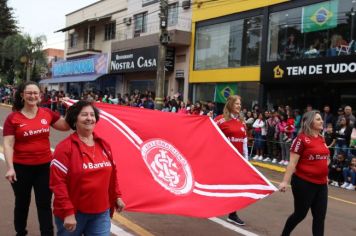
column 82, row 48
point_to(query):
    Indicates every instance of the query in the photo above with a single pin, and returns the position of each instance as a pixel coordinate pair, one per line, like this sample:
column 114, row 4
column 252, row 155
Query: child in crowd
column 330, row 138
column 350, row 175
column 336, row 168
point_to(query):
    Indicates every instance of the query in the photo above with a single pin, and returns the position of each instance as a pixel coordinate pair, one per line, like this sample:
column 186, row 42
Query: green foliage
column 21, row 51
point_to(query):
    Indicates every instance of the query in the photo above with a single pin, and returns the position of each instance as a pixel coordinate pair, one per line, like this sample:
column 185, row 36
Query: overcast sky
column 43, row 17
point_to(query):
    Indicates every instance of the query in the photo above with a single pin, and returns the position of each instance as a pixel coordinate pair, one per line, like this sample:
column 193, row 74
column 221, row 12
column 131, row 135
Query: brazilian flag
column 224, row 90
column 320, row 16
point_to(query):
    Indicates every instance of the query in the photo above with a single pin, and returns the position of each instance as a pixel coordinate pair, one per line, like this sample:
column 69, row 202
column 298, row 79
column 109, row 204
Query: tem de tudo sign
column 324, row 68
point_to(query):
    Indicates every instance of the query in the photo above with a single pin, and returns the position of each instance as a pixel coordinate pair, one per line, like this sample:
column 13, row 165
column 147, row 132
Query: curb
column 5, row 105
column 269, row 166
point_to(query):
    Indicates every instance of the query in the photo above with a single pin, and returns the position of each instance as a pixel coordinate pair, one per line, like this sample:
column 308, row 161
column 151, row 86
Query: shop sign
column 310, row 69
column 97, row 64
column 140, row 59
column 179, row 74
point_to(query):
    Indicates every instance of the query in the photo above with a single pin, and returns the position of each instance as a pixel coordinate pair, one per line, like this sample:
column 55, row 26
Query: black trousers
column 36, row 176
column 307, row 195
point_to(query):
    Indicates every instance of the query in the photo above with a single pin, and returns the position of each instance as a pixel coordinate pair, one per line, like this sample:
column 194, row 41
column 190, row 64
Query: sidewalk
column 269, row 165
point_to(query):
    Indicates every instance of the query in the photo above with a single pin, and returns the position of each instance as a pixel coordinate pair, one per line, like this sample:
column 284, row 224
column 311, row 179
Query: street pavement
column 266, row 217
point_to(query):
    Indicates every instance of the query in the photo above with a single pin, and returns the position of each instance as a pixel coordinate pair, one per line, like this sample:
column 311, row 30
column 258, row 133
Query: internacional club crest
column 168, row 166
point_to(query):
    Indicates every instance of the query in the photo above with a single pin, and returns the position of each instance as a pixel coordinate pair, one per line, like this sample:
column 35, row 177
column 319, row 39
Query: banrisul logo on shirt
column 98, row 165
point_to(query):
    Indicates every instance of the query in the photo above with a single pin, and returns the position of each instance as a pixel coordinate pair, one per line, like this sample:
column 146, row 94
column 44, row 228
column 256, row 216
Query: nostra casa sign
column 136, row 60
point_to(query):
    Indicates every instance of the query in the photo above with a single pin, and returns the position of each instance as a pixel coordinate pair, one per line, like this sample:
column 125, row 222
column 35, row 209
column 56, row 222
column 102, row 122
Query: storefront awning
column 82, row 22
column 77, row 78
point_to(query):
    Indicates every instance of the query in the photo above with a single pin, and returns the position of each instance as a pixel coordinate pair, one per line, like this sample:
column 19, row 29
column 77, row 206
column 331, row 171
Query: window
column 317, row 30
column 140, row 23
column 148, row 2
column 173, row 14
column 73, row 40
column 228, row 45
column 89, row 37
column 110, row 30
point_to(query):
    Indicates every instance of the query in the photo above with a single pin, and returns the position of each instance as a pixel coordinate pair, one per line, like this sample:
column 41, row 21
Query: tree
column 25, row 55
column 7, row 27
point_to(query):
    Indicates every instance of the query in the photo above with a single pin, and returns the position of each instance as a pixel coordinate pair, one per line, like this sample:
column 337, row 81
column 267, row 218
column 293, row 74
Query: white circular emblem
column 167, row 166
column 43, row 121
column 307, row 140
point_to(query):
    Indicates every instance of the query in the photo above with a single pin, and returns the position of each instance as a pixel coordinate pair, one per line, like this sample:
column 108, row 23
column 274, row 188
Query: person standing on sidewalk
column 28, row 156
column 308, row 172
column 235, row 130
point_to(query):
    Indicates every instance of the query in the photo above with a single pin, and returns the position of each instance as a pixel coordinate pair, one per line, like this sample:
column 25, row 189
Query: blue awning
column 66, row 79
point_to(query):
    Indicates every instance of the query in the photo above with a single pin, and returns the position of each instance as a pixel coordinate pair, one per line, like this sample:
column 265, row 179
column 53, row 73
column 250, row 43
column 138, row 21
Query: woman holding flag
column 83, row 177
column 308, row 172
column 234, row 129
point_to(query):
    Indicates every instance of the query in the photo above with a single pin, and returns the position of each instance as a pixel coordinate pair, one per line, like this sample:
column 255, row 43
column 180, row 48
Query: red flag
column 177, row 164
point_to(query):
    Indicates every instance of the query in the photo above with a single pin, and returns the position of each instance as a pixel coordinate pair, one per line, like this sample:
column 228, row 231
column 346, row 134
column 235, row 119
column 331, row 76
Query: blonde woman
column 232, row 126
column 308, row 171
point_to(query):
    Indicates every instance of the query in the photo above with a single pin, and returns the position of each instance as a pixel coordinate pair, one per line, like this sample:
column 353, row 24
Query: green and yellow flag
column 320, row 16
column 224, row 90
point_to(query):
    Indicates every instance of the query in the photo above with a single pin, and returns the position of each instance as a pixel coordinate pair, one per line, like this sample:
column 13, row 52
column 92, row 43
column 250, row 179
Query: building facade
column 277, row 52
column 88, row 35
column 135, row 57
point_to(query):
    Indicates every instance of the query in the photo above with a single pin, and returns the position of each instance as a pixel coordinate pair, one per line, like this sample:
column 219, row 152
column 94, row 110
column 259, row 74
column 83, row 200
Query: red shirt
column 312, row 165
column 32, row 145
column 96, row 173
column 234, row 130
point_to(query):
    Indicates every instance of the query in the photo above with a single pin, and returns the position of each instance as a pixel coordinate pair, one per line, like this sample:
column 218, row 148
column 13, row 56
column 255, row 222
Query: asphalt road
column 266, row 217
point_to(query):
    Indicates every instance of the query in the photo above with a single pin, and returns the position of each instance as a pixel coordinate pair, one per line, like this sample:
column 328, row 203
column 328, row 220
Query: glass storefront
column 318, row 30
column 228, row 45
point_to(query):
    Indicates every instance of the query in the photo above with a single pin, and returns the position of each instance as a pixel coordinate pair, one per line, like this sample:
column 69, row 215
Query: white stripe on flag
column 122, row 131
column 233, row 187
column 244, row 194
column 124, row 126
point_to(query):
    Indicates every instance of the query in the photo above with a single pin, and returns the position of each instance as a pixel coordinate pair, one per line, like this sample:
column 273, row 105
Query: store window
column 317, row 30
column 110, row 31
column 140, row 23
column 228, row 45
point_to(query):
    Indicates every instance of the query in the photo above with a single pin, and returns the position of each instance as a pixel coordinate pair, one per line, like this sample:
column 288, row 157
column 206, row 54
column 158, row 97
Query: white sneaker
column 267, row 159
column 255, row 157
column 345, row 185
column 286, row 163
column 281, row 162
column 274, row 160
column 334, row 183
column 350, row 187
column 260, row 158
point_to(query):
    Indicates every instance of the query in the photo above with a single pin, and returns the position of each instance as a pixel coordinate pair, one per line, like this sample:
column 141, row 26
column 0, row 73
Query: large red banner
column 177, row 164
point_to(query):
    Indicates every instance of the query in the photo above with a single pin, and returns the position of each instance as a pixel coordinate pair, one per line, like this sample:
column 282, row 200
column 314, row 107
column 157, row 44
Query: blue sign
column 91, row 65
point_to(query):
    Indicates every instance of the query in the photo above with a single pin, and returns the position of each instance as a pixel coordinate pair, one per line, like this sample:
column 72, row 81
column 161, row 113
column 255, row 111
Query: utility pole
column 162, row 48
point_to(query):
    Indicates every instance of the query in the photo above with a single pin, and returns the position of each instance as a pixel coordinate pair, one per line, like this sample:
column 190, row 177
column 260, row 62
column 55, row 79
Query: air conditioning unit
column 186, row 4
column 127, row 21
